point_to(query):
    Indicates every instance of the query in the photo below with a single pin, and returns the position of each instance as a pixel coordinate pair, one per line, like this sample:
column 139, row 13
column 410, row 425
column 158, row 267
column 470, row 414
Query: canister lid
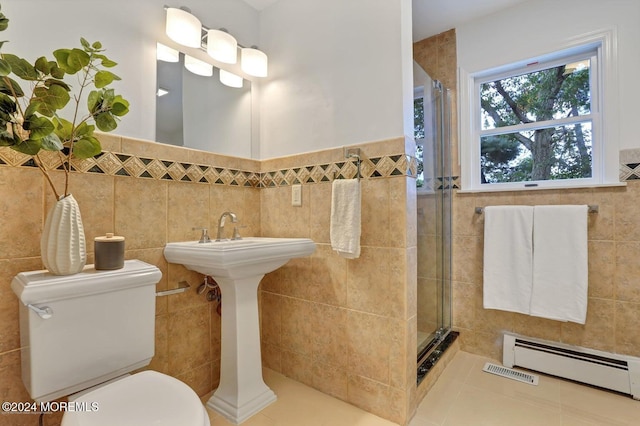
column 109, row 238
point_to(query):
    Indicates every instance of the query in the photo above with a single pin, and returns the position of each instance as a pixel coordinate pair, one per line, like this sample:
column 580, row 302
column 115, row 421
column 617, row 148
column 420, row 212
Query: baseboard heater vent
column 620, row 373
column 510, row 373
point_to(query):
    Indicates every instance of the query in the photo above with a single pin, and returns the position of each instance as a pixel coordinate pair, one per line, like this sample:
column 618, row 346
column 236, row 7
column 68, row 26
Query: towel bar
column 352, row 153
column 593, row 208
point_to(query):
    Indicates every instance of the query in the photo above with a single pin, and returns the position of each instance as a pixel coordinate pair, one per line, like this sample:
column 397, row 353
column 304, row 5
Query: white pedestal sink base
column 242, row 391
column 238, row 415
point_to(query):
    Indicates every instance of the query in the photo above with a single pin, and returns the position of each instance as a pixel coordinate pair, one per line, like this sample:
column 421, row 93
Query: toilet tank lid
column 41, row 286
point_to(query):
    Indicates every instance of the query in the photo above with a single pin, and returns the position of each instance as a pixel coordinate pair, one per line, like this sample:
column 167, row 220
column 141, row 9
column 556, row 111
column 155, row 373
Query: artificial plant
column 30, row 120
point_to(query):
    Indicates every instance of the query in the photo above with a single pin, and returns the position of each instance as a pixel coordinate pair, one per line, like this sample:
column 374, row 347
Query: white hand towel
column 560, row 263
column 508, row 258
column 345, row 217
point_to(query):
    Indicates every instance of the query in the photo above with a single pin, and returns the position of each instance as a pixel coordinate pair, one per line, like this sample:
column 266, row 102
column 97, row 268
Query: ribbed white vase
column 62, row 245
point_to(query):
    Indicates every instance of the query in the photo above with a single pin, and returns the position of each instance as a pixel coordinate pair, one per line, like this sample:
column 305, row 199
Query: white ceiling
column 431, row 17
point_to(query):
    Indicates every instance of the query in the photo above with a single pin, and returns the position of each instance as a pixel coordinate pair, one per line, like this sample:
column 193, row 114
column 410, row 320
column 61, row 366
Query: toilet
column 82, row 335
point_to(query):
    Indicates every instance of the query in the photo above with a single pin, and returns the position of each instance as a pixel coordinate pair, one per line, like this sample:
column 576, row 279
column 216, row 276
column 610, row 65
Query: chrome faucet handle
column 236, row 232
column 204, row 238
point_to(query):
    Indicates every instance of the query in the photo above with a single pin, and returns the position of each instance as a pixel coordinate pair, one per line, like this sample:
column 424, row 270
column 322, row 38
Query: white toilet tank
column 80, row 330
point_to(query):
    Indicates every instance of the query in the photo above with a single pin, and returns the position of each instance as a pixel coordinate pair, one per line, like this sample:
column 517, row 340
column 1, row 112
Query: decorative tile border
column 118, row 164
column 629, row 164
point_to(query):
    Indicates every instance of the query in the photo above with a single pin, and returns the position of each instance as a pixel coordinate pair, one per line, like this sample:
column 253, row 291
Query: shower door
column 432, row 118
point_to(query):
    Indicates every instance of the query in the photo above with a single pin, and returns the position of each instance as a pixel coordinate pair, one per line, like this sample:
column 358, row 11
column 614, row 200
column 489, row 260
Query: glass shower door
column 434, row 200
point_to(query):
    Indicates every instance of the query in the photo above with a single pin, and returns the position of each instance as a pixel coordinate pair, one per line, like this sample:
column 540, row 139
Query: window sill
column 542, row 188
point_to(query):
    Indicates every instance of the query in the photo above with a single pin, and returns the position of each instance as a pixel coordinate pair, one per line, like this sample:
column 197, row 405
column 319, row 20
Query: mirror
column 202, row 113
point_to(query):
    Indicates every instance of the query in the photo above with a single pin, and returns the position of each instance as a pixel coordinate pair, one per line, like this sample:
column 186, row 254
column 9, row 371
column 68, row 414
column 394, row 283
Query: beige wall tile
column 188, row 335
column 599, row 330
column 602, row 269
column 329, row 335
column 627, row 318
column 370, row 343
column 187, row 208
column 328, row 280
column 22, row 221
column 9, row 302
column 141, row 212
column 330, row 379
column 296, row 330
column 627, row 271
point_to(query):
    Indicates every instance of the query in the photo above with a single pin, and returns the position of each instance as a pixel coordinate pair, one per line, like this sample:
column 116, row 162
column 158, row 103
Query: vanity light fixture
column 184, row 28
column 230, row 79
column 166, row 54
column 197, row 66
column 222, row 46
column 254, row 61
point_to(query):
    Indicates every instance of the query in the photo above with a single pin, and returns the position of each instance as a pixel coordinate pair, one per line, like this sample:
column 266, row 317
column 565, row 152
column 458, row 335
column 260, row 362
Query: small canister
column 109, row 251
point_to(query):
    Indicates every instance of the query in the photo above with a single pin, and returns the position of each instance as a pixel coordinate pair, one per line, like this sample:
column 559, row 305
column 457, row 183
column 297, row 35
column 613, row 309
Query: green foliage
column 30, row 121
column 551, row 152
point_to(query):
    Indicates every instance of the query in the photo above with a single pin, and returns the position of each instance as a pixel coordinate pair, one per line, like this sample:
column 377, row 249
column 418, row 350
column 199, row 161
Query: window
column 538, row 124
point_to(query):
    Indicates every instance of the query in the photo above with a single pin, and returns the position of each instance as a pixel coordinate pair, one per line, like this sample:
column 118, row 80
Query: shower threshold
column 432, row 353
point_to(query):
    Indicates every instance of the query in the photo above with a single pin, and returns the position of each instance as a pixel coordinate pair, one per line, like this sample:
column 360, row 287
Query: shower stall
column 432, row 118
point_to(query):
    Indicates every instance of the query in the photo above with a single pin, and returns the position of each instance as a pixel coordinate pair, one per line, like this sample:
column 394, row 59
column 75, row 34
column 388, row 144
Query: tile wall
column 344, row 327
column 614, row 239
column 149, row 211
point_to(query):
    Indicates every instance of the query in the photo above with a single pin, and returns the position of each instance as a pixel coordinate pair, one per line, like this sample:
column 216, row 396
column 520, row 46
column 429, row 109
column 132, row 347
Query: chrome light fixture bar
column 184, row 28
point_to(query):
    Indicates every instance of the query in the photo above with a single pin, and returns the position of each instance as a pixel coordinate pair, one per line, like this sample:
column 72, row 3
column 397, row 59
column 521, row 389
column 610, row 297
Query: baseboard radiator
column 620, row 373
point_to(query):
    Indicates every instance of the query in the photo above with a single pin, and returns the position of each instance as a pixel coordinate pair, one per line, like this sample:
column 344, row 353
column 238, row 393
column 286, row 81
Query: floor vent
column 510, row 373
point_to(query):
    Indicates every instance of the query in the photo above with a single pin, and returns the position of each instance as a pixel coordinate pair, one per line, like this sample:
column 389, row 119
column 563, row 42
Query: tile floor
column 463, row 396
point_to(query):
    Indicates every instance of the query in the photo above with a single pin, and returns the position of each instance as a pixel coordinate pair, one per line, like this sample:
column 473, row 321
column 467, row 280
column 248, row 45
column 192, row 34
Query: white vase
column 62, row 245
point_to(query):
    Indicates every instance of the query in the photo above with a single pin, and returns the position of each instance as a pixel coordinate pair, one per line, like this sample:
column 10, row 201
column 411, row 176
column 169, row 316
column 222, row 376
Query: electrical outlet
column 296, row 195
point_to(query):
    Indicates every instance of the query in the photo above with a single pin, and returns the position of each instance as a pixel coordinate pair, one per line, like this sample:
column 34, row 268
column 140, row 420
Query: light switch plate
column 296, row 195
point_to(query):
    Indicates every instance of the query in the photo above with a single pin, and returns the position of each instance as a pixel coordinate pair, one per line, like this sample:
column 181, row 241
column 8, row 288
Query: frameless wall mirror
column 200, row 112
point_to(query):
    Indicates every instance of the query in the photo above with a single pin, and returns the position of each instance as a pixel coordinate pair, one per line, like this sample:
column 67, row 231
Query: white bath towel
column 508, row 258
column 560, row 263
column 345, row 217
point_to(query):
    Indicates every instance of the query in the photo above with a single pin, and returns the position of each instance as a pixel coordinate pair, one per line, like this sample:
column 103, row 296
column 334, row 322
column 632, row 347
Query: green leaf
column 104, row 78
column 87, row 147
column 62, row 55
column 93, row 101
column 21, row 67
column 120, row 106
column 29, row 147
column 8, row 107
column 77, row 60
column 51, row 142
column 63, row 128
column 51, row 81
column 84, row 129
column 56, row 71
column 97, row 45
column 4, row 22
column 5, row 68
column 106, row 62
column 85, row 43
column 10, row 87
column 31, row 109
column 6, row 139
column 43, row 65
column 50, row 99
column 38, row 126
column 3, row 42
column 105, row 121
column 71, row 60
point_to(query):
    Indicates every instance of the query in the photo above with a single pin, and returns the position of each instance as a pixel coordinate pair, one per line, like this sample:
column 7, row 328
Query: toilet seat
column 145, row 398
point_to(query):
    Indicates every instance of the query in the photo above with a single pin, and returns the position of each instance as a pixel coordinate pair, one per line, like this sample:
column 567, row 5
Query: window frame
column 600, row 47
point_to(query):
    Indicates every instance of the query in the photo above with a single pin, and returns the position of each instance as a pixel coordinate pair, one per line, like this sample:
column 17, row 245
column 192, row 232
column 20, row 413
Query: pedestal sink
column 238, row 266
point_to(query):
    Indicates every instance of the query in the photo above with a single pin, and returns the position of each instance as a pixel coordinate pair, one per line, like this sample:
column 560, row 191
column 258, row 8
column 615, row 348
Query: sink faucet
column 234, row 219
column 204, row 238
